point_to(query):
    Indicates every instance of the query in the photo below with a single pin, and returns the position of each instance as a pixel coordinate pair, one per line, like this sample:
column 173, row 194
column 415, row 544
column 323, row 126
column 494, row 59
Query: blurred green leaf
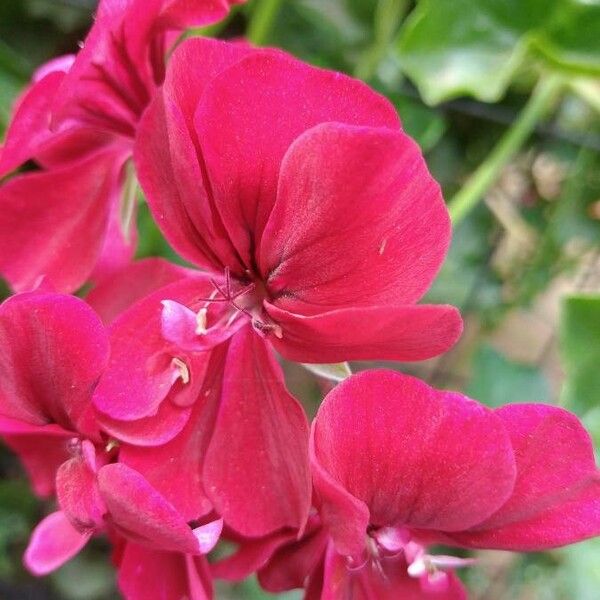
column 420, row 122
column 474, row 47
column 580, row 349
column 497, row 380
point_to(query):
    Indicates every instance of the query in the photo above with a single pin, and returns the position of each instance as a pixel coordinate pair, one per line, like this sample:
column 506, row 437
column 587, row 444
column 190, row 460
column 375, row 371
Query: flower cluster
column 155, row 410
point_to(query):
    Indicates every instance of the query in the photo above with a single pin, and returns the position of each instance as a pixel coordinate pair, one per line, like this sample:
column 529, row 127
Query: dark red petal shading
column 415, row 456
column 53, row 542
column 556, row 499
column 272, row 99
column 53, row 223
column 169, row 167
column 54, row 349
column 256, row 466
column 358, row 220
column 146, row 574
column 113, row 294
column 406, row 333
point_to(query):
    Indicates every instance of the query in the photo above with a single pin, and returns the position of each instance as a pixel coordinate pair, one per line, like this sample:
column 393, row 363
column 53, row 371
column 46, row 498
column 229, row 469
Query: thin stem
column 539, row 104
column 387, row 17
column 263, row 17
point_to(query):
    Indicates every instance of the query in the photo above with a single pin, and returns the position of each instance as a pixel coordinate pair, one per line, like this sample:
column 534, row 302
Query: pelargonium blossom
column 399, row 466
column 73, row 218
column 55, row 349
column 319, row 228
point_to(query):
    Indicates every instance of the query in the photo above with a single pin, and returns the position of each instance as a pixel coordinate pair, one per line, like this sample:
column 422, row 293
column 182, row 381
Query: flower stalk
column 539, row 104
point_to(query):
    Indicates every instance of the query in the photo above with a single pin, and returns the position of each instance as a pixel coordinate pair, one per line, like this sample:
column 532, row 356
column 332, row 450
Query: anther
column 184, row 372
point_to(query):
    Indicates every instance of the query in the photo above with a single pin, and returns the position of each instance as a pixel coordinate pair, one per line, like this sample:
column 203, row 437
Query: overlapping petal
column 54, row 350
column 432, row 452
column 272, row 99
column 256, row 469
column 556, row 497
column 358, row 220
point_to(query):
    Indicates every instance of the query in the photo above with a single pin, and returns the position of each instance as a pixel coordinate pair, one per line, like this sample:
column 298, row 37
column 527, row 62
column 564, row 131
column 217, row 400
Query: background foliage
column 504, row 98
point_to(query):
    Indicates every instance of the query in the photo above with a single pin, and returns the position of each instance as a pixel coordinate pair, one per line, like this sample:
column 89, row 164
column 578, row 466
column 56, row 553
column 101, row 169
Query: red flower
column 55, row 350
column 74, row 219
column 399, row 466
column 322, row 227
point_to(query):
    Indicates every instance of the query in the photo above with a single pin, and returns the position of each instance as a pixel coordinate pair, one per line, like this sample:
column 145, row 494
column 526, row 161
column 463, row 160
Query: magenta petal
column 53, row 223
column 273, row 99
column 143, row 515
column 54, row 350
column 53, row 542
column 113, row 294
column 167, row 156
column 556, row 498
column 358, row 220
column 146, row 574
column 256, row 467
column 174, row 468
column 29, row 127
column 407, row 333
column 145, row 372
column 444, row 462
column 208, row 535
column 77, row 491
column 389, row 581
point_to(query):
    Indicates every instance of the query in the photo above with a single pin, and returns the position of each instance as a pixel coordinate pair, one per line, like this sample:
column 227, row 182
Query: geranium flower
column 74, row 218
column 320, row 228
column 399, row 466
column 55, row 349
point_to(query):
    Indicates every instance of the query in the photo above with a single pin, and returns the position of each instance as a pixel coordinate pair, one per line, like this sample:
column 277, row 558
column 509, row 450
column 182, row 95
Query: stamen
column 184, row 372
column 201, row 320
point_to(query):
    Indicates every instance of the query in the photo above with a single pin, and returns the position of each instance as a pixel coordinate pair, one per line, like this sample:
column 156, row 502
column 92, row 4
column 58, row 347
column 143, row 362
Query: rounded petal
column 272, row 99
column 53, row 223
column 167, row 158
column 256, row 466
column 415, row 456
column 358, row 220
column 54, row 350
column 406, row 333
column 143, row 515
column 556, row 498
column 53, row 542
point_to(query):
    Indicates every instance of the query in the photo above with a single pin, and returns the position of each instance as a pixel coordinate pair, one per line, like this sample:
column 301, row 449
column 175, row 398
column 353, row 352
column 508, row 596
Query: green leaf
column 333, row 372
column 422, row 123
column 580, row 349
column 475, row 47
column 497, row 380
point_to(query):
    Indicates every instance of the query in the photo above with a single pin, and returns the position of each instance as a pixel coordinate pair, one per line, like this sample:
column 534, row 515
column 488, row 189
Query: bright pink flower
column 77, row 122
column 322, row 228
column 55, row 349
column 398, row 465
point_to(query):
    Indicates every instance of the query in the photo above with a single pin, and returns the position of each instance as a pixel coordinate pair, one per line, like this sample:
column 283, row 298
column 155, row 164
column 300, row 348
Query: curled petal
column 53, row 542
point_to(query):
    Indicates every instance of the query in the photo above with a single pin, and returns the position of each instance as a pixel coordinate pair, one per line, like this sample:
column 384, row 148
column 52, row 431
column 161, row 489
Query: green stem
column 541, row 101
column 263, row 17
column 387, row 17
